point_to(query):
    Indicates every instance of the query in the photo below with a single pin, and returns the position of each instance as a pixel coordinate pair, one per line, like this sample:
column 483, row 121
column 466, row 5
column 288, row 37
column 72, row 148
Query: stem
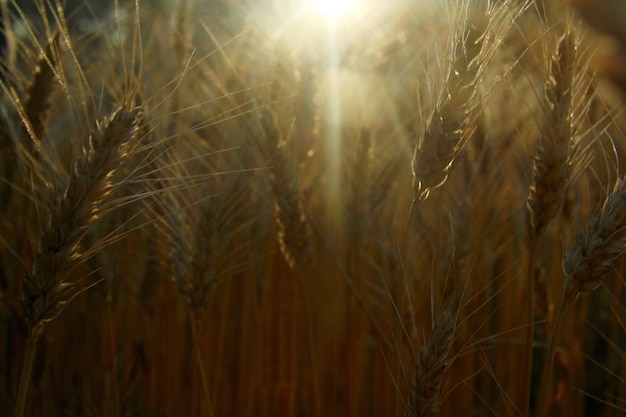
column 27, row 368
column 546, row 379
column 112, row 352
column 530, row 328
column 201, row 370
column 407, row 226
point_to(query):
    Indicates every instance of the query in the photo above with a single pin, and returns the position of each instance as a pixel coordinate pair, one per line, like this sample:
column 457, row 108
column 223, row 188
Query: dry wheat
column 473, row 39
column 552, row 167
column 294, row 232
column 596, row 248
column 38, row 91
column 586, row 264
column 425, row 397
column 45, row 288
column 552, row 172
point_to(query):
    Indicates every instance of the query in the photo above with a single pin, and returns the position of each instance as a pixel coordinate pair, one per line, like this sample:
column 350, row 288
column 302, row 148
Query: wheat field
column 251, row 209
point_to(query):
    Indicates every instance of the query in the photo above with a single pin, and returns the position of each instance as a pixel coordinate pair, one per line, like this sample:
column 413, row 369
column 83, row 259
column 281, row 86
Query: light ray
column 334, row 9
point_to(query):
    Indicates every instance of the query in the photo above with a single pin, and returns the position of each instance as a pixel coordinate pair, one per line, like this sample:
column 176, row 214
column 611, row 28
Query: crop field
column 299, row 208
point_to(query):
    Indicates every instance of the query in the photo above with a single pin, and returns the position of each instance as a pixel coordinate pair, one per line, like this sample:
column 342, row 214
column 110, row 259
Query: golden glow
column 334, row 9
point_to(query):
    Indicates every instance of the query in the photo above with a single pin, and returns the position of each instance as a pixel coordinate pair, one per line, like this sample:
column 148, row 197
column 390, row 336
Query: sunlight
column 334, row 9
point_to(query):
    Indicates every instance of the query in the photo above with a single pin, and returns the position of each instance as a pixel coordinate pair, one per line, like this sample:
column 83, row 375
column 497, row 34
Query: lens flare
column 334, row 9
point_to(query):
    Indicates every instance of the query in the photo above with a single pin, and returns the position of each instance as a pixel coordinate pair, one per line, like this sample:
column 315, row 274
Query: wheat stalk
column 553, row 164
column 586, row 264
column 46, row 289
column 201, row 229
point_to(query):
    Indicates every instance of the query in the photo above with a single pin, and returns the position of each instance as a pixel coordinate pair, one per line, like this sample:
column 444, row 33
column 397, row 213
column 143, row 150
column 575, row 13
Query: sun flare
column 334, row 9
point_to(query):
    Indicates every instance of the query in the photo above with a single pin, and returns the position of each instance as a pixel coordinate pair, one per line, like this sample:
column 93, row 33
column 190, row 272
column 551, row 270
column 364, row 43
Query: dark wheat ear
column 24, row 124
column 70, row 212
column 38, row 91
column 586, row 264
column 425, row 396
column 596, row 248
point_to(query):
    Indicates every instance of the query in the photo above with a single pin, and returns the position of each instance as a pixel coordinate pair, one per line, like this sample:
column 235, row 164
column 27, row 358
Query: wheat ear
column 453, row 118
column 435, row 152
column 593, row 254
column 552, row 173
column 46, row 289
column 425, row 397
column 31, row 116
column 586, row 264
column 294, row 231
column 552, row 164
column 38, row 91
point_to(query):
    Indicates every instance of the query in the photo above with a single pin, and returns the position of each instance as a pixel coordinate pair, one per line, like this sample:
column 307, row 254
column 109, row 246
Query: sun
column 334, row 9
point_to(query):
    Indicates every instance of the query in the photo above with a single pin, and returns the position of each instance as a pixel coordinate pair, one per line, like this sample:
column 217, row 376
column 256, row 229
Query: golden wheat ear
column 475, row 36
column 38, row 91
column 294, row 230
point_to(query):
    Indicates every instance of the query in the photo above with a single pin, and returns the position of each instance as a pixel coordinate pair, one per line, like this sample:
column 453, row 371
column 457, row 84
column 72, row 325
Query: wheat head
column 294, row 231
column 552, row 163
column 425, row 397
column 70, row 212
column 591, row 258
